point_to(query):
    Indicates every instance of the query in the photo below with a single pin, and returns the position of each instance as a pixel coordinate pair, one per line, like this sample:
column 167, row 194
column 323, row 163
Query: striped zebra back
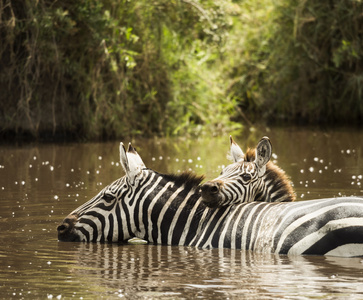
column 331, row 227
column 251, row 177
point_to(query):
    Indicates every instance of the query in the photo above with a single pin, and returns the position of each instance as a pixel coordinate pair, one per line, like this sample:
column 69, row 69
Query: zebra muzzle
column 211, row 193
column 66, row 231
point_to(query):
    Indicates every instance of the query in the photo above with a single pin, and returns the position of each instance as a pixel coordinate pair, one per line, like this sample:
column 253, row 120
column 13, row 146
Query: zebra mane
column 189, row 179
column 282, row 184
column 250, row 155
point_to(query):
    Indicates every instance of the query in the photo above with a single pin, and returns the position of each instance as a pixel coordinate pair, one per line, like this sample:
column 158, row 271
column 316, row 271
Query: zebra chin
column 211, row 194
column 67, row 232
column 212, row 201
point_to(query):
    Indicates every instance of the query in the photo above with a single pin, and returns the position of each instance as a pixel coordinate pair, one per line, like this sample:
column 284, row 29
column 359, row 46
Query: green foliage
column 301, row 60
column 108, row 68
column 198, row 96
column 104, row 69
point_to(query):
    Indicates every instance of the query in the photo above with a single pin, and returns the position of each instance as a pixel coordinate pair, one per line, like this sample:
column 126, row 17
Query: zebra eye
column 246, row 177
column 108, row 197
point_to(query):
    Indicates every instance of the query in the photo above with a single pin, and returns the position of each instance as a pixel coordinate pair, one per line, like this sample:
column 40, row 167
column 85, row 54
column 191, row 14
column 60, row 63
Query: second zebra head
column 251, row 177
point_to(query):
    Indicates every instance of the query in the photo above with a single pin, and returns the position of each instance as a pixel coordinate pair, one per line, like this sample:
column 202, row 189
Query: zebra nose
column 246, row 177
column 210, row 188
column 66, row 231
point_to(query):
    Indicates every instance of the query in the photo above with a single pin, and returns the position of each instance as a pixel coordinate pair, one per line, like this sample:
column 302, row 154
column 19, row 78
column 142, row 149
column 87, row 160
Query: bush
column 299, row 60
column 104, row 69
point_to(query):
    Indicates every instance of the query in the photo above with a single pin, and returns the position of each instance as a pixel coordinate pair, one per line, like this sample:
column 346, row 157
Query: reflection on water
column 150, row 271
column 40, row 184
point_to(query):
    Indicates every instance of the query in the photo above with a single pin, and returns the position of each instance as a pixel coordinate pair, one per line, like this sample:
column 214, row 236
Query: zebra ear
column 123, row 159
column 135, row 162
column 236, row 152
column 263, row 154
column 131, row 162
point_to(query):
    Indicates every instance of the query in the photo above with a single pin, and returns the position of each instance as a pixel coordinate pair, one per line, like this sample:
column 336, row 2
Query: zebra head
column 240, row 181
column 99, row 218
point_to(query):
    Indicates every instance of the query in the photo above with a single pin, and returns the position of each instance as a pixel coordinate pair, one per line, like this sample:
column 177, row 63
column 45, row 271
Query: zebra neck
column 263, row 194
column 172, row 220
column 274, row 187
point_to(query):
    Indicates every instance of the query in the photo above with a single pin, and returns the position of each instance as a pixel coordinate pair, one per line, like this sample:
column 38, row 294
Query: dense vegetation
column 300, row 60
column 104, row 69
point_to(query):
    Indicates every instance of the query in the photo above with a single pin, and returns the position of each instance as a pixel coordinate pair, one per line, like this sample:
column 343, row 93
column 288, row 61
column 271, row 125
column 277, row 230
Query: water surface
column 40, row 184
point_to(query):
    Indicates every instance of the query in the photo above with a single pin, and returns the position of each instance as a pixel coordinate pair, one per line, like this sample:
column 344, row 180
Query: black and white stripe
column 322, row 227
column 168, row 209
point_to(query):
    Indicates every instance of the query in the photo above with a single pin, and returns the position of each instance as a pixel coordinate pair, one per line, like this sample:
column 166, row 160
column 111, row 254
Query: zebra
column 257, row 178
column 167, row 209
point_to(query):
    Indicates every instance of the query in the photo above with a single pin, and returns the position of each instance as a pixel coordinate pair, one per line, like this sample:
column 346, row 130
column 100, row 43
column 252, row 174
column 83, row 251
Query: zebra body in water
column 168, row 209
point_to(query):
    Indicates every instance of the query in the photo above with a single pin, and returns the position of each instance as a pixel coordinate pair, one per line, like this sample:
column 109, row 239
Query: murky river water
column 41, row 184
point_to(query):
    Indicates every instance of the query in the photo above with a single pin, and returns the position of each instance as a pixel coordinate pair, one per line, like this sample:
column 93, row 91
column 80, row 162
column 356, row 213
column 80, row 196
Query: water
column 41, row 184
